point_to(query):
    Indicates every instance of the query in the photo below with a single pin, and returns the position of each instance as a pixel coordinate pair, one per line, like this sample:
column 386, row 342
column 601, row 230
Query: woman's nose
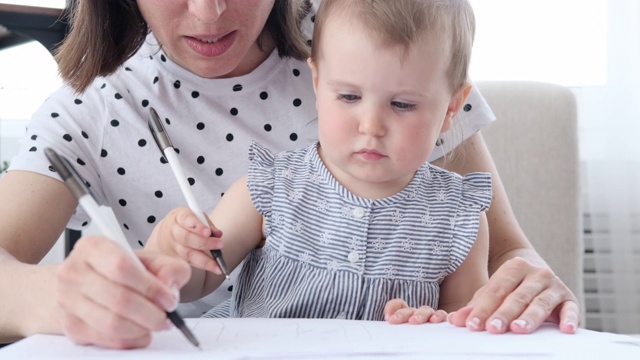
column 207, row 10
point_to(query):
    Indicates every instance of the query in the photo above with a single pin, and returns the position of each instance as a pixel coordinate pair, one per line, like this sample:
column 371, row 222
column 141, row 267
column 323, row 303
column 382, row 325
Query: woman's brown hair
column 105, row 33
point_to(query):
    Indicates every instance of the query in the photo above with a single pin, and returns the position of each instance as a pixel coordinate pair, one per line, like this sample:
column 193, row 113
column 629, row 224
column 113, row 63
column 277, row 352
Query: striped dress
column 332, row 254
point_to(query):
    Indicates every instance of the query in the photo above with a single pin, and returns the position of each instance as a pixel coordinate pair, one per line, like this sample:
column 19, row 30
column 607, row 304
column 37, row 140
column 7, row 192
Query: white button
column 358, row 213
column 353, row 256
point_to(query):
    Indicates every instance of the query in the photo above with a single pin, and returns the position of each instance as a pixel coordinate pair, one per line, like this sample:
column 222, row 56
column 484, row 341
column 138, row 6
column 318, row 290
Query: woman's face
column 211, row 38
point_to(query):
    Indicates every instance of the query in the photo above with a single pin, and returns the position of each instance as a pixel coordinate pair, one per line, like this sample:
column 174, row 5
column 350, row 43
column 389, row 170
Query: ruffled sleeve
column 475, row 198
column 260, row 178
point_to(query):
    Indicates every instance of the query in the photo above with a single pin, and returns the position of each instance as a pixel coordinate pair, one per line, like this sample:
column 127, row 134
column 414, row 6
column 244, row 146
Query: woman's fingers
column 108, row 299
column 520, row 297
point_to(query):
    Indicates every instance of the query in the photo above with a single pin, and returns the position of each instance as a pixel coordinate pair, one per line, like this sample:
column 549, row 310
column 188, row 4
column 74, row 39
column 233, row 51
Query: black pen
column 166, row 148
column 74, row 183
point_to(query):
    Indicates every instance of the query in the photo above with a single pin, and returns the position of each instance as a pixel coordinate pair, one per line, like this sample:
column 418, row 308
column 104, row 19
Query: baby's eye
column 348, row 97
column 403, row 106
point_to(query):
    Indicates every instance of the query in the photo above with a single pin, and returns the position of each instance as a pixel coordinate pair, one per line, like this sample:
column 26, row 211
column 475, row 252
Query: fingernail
column 170, row 302
column 474, row 323
column 168, row 325
column 497, row 324
column 571, row 324
column 522, row 323
column 417, row 318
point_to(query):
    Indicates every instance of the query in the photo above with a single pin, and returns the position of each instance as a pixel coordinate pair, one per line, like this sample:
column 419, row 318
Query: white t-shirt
column 211, row 122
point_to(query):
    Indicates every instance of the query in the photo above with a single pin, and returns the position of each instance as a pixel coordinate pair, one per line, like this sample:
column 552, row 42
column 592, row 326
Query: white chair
column 534, row 144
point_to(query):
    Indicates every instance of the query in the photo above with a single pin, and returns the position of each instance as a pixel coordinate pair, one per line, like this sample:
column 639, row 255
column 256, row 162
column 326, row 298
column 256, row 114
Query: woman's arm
column 33, row 213
column 522, row 290
column 98, row 295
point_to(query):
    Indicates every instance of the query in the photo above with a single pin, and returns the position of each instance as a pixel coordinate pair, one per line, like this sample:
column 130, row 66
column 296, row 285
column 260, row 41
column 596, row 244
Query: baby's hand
column 397, row 311
column 181, row 234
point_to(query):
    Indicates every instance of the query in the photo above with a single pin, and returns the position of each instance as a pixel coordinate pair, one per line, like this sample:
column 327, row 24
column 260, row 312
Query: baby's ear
column 455, row 104
column 314, row 74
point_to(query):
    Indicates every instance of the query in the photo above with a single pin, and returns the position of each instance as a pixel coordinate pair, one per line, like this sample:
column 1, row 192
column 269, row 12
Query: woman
column 226, row 72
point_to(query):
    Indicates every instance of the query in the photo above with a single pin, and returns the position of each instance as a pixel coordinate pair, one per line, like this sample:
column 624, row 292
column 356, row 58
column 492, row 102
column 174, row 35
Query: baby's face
column 380, row 109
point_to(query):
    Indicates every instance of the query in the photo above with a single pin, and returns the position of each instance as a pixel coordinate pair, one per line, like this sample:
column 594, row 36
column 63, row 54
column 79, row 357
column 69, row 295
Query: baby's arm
column 181, row 234
column 456, row 290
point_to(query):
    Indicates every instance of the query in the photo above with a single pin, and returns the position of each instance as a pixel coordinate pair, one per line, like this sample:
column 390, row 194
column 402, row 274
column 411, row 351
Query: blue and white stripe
column 330, row 253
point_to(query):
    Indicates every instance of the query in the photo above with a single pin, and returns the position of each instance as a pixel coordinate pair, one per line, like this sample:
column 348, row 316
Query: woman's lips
column 209, row 46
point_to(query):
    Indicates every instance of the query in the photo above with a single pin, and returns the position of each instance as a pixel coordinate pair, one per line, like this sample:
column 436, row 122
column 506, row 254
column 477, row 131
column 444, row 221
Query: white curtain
column 610, row 140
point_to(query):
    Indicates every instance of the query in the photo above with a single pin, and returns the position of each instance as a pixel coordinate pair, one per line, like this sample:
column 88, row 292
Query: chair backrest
column 534, row 144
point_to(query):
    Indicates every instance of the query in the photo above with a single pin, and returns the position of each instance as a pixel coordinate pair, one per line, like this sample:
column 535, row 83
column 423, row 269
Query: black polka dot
column 264, row 95
column 145, row 103
column 200, row 126
column 122, row 202
column 293, row 137
column 200, row 159
column 155, row 79
column 191, row 181
column 163, row 160
column 85, row 224
column 151, row 219
column 33, row 137
column 167, row 121
column 439, row 142
column 67, row 137
column 230, row 288
column 296, row 72
column 176, row 84
column 140, row 243
column 142, row 142
column 80, row 162
column 233, row 111
column 158, row 194
column 84, row 134
column 309, row 42
column 33, row 148
column 229, row 137
column 219, row 171
column 163, row 58
column 267, row 127
column 467, row 107
column 127, row 68
column 103, row 153
column 121, row 171
column 177, row 150
column 297, row 102
column 54, row 114
column 104, row 85
column 115, row 123
column 51, row 169
column 195, row 94
column 117, row 96
column 125, row 226
column 77, row 101
column 237, row 87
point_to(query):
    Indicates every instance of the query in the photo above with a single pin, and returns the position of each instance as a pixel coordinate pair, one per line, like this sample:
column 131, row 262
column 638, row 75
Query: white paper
column 311, row 339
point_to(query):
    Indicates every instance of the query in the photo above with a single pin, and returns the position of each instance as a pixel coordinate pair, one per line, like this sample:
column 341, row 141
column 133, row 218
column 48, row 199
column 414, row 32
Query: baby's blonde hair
column 404, row 22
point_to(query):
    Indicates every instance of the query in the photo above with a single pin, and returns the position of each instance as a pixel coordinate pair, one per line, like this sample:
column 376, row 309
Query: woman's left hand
column 397, row 311
column 520, row 297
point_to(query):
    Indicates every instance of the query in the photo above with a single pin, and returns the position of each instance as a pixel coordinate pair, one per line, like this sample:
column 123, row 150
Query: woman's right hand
column 107, row 299
column 181, row 234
